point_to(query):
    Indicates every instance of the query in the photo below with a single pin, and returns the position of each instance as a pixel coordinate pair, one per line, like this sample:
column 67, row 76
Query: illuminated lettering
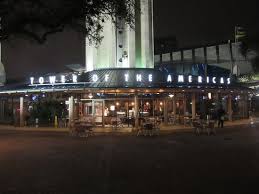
column 63, row 79
column 150, row 77
column 32, row 80
column 95, row 78
column 228, row 81
column 214, row 80
column 190, row 79
column 139, row 77
column 52, row 79
column 41, row 80
column 126, row 76
column 208, row 80
column 106, row 77
column 169, row 78
column 74, row 78
column 222, row 80
column 199, row 79
column 180, row 78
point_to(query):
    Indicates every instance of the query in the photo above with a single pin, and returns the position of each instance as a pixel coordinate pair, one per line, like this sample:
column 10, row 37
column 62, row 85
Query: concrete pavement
column 181, row 163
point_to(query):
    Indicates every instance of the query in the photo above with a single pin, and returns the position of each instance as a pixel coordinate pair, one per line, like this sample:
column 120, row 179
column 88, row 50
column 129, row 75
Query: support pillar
column 174, row 105
column 193, row 106
column 184, row 104
column 230, row 111
column 103, row 109
column 166, row 112
column 71, row 111
column 245, row 102
column 136, row 112
column 2, row 103
column 216, row 99
column 21, row 112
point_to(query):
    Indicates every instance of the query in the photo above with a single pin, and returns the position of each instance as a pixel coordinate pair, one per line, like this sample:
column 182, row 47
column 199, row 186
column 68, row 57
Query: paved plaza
column 177, row 162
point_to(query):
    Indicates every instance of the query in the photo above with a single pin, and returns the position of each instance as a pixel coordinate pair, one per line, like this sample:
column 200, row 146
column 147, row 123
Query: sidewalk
column 179, row 128
column 39, row 129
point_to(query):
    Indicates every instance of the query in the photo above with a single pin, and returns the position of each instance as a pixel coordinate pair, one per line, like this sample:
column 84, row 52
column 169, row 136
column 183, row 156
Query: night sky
column 191, row 22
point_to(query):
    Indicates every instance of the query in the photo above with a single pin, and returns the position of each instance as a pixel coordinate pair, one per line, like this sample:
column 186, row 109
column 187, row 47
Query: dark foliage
column 251, row 43
column 46, row 110
column 37, row 19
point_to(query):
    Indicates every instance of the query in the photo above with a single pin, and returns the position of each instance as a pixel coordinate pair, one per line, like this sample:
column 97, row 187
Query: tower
column 122, row 46
column 2, row 69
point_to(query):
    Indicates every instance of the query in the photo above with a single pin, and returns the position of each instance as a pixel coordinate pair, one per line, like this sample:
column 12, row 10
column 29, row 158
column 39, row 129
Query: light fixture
column 132, row 103
column 161, row 103
column 90, row 96
column 171, row 95
column 112, row 108
column 117, row 104
column 209, row 96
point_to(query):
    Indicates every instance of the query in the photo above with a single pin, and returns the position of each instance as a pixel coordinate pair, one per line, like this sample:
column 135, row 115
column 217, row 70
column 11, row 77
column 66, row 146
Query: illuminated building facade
column 122, row 88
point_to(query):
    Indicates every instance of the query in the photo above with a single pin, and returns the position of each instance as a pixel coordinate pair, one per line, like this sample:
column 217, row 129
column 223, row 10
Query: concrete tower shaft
column 2, row 69
column 122, row 46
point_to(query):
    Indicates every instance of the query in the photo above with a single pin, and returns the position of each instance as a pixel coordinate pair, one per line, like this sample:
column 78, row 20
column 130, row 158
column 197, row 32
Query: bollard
column 37, row 122
column 56, row 122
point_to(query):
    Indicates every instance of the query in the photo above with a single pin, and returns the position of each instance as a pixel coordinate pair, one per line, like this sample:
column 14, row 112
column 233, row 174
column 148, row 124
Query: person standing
column 221, row 117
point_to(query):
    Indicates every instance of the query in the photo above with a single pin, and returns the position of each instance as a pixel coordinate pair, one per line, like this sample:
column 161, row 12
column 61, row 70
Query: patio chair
column 141, row 130
column 187, row 121
column 197, row 127
column 156, row 129
column 171, row 120
column 116, row 123
column 211, row 128
column 81, row 129
column 72, row 128
column 149, row 129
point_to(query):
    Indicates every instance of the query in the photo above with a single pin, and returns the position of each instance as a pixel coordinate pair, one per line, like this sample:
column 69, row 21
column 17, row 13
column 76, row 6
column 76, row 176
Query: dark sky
column 192, row 22
column 196, row 22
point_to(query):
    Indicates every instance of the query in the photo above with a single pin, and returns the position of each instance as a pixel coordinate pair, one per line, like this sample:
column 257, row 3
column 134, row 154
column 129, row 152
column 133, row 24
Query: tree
column 251, row 44
column 37, row 19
